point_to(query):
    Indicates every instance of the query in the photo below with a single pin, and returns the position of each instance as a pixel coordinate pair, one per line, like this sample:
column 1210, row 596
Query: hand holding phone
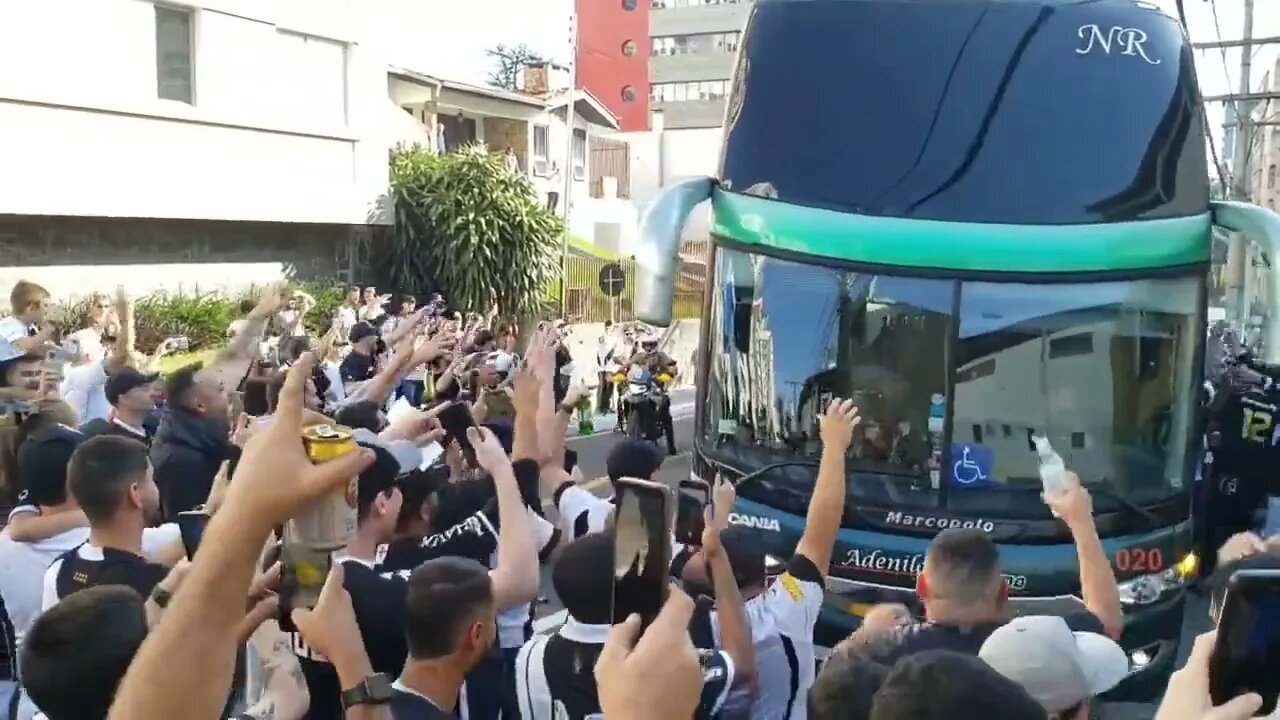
column 191, row 525
column 1246, row 651
column 641, row 549
column 691, row 502
column 455, row 418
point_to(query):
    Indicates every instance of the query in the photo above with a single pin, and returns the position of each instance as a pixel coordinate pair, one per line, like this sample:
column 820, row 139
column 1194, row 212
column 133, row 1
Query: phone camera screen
column 191, row 526
column 690, row 504
column 1247, row 651
column 641, row 556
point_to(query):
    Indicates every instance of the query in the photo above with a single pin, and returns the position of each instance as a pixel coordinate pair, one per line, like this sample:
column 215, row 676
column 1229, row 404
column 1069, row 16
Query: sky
column 447, row 38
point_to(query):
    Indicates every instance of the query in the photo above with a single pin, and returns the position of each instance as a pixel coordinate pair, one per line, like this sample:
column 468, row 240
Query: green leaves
column 466, row 227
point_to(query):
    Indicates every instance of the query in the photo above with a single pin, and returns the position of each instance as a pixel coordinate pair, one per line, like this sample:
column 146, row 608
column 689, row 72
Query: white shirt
column 336, row 393
column 782, row 617
column 90, row 343
column 511, row 623
column 345, row 319
column 153, row 541
column 84, row 389
column 582, row 513
column 12, row 330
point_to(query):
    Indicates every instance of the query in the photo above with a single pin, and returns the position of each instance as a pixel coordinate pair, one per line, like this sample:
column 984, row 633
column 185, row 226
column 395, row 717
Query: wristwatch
column 374, row 690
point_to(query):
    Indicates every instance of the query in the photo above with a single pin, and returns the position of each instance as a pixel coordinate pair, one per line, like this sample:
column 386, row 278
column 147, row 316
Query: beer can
column 330, row 523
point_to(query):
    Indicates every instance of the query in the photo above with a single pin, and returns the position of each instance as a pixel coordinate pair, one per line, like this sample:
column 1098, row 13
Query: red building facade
column 613, row 57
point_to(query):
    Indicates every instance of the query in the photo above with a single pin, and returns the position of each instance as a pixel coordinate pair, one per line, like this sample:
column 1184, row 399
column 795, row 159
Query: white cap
column 408, row 455
column 1056, row 666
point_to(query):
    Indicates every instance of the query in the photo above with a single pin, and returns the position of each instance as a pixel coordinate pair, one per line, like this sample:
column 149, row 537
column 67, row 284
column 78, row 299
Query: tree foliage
column 508, row 61
column 467, row 227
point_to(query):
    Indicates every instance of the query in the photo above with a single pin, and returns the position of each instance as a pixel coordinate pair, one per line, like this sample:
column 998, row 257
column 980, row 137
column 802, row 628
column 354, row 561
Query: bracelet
column 161, row 597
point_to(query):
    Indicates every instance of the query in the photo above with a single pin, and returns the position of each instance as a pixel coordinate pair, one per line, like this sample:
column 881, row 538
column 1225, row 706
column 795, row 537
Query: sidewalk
column 682, row 407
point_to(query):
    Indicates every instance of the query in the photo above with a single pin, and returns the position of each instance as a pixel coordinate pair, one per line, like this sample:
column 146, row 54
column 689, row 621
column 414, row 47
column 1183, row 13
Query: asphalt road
column 593, row 451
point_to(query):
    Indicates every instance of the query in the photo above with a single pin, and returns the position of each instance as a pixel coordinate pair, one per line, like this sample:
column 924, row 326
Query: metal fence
column 586, row 300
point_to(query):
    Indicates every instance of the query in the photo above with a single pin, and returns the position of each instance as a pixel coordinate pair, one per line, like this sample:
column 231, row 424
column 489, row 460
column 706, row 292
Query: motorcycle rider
column 657, row 362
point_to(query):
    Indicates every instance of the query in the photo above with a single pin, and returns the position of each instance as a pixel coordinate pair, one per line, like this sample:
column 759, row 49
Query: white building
column 660, row 157
column 435, row 112
column 185, row 142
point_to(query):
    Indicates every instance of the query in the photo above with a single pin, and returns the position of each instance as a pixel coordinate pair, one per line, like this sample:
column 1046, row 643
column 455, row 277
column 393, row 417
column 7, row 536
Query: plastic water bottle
column 1053, row 471
column 586, row 421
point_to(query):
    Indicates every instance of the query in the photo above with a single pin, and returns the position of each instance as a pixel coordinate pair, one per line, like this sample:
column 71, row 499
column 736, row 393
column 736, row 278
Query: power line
column 1204, row 116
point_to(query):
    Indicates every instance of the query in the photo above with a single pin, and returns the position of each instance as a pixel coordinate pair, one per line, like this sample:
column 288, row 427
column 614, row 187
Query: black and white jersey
column 581, row 513
column 554, row 675
column 782, row 621
column 476, row 538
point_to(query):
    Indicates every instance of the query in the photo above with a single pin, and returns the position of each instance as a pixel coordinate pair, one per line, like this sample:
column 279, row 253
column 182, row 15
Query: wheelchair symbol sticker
column 971, row 466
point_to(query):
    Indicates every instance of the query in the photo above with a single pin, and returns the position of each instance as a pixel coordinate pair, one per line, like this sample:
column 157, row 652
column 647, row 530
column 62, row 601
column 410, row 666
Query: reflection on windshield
column 1102, row 369
column 787, row 338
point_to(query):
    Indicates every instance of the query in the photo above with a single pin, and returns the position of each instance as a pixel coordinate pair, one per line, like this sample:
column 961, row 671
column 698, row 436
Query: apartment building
column 693, row 48
column 188, row 142
column 1265, row 145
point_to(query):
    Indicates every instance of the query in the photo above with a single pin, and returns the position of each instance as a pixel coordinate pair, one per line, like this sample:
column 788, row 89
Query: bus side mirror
column 1263, row 227
column 657, row 256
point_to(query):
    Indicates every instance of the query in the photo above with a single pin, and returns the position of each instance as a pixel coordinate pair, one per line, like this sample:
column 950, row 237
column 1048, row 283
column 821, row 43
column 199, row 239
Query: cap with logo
column 126, row 380
column 42, row 464
column 1058, row 667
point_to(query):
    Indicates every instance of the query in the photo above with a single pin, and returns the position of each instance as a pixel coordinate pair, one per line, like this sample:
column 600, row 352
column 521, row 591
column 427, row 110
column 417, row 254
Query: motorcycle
column 641, row 403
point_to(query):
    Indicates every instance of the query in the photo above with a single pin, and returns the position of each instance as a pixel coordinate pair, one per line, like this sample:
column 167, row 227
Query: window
column 696, row 44
column 629, row 48
column 685, row 91
column 579, row 154
column 174, row 78
column 541, row 150
column 628, row 94
column 628, row 5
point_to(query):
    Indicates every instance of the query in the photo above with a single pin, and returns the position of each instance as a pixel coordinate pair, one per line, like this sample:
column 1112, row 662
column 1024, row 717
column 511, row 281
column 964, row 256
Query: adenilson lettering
column 929, row 522
column 881, row 562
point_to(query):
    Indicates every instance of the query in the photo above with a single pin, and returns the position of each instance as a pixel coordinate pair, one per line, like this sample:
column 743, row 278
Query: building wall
column 604, row 28
column 663, row 156
column 716, row 65
column 285, row 122
column 1266, row 147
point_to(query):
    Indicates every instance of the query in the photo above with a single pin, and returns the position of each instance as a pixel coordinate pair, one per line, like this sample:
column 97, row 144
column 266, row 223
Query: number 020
column 1140, row 560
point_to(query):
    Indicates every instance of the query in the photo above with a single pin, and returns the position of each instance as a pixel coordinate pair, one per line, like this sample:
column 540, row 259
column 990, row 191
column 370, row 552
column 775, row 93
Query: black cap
column 42, row 464
column 946, row 685
column 124, row 381
column 362, row 330
column 633, row 458
column 746, row 555
column 378, row 478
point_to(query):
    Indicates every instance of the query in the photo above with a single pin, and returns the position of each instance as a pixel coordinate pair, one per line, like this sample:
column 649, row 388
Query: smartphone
column 235, row 408
column 641, row 549
column 1246, row 654
column 691, row 502
column 455, row 419
column 191, row 524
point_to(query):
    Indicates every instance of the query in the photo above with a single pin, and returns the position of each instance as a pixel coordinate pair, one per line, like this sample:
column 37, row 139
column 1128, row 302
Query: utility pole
column 1242, row 109
column 570, row 115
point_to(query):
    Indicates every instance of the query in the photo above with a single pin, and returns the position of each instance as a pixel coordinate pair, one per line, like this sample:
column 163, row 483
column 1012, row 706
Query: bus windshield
column 953, row 379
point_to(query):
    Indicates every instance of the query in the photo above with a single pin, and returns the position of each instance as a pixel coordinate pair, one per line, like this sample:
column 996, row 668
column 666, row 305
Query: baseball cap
column 633, row 458
column 378, row 478
column 42, row 464
column 360, row 331
column 404, row 453
column 124, row 381
column 501, row 361
column 1056, row 666
column 947, row 685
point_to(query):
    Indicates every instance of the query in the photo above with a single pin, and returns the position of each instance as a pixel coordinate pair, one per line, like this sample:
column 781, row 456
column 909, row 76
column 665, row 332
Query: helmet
column 649, row 341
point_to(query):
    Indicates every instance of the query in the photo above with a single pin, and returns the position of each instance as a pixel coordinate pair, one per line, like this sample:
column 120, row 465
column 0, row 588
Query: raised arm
column 122, row 349
column 255, row 322
column 1098, row 587
column 731, row 610
column 515, row 580
column 826, row 507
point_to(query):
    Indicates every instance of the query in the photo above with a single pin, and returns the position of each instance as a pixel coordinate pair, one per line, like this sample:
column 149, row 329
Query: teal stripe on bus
column 961, row 246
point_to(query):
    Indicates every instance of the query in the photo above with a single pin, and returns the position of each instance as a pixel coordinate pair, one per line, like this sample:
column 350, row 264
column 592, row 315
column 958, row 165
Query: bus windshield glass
column 952, row 379
column 1007, row 112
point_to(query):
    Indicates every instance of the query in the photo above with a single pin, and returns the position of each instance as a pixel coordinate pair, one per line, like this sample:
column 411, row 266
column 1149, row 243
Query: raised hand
column 837, row 424
column 489, row 451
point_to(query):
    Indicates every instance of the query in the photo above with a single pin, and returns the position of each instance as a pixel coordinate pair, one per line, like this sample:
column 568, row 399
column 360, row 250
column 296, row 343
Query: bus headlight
column 1147, row 589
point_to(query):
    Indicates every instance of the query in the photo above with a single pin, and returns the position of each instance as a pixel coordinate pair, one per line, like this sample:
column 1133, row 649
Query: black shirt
column 99, row 426
column 356, row 367
column 921, row 636
column 379, row 603
column 86, row 567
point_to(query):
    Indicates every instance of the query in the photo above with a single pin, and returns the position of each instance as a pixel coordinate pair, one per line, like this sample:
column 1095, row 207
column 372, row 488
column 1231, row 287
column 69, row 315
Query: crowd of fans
column 427, row 612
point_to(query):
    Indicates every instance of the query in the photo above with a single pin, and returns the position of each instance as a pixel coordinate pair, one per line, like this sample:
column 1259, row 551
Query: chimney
column 536, row 79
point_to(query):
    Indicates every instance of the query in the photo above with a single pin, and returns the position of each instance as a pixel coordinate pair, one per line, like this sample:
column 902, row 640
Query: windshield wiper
column 1153, row 521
